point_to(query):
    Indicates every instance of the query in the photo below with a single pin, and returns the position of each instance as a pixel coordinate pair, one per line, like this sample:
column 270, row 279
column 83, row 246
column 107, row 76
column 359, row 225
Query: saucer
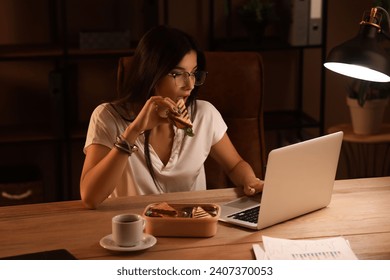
column 147, row 241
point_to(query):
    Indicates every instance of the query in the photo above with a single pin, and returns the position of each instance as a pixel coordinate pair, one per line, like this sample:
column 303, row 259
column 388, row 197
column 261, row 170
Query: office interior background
column 49, row 85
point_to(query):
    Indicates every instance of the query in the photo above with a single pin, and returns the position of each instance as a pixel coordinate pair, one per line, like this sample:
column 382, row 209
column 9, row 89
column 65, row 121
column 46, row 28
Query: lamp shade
column 362, row 57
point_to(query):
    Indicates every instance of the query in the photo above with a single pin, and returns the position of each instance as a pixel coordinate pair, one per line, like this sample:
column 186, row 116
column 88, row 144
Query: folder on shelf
column 304, row 22
column 315, row 23
column 297, row 12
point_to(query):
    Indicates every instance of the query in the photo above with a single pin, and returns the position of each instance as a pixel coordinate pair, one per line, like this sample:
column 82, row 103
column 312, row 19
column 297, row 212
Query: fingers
column 155, row 111
column 164, row 106
column 250, row 191
column 254, row 187
column 163, row 112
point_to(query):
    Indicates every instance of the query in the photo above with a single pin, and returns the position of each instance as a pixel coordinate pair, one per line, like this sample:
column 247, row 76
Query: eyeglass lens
column 198, row 77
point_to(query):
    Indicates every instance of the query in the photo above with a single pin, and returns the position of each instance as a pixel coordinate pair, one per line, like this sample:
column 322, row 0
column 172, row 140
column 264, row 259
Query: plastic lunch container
column 183, row 224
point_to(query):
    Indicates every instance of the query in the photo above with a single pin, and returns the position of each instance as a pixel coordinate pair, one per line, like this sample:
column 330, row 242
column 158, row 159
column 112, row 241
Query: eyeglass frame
column 187, row 76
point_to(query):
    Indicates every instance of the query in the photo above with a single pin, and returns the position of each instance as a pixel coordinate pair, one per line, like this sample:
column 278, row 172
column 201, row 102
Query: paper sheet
column 259, row 252
column 336, row 248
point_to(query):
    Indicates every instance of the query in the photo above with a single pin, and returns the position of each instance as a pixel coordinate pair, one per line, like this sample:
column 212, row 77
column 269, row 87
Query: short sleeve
column 104, row 126
column 211, row 121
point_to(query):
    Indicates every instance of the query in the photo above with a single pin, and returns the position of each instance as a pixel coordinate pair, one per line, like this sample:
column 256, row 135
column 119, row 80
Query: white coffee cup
column 127, row 229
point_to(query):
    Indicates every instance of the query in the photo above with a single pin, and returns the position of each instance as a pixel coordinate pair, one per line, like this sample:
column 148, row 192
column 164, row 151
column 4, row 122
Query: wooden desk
column 363, row 156
column 359, row 211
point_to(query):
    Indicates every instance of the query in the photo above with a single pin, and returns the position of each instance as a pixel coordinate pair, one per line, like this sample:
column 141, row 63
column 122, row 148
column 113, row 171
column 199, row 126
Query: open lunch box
column 181, row 220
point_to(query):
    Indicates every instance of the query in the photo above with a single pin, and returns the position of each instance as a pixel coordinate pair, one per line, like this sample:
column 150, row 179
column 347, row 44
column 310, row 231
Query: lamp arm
column 388, row 19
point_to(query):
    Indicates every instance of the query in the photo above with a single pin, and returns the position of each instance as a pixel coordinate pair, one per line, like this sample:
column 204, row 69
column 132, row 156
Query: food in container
column 186, row 220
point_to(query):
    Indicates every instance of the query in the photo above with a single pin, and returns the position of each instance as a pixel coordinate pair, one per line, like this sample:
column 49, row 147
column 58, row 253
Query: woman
column 134, row 148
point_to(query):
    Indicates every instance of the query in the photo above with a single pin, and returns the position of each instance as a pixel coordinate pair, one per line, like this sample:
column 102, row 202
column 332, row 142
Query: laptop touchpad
column 244, row 202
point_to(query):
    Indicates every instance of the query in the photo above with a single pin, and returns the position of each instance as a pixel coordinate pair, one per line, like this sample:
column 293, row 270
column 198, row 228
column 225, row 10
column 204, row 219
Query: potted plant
column 255, row 16
column 367, row 102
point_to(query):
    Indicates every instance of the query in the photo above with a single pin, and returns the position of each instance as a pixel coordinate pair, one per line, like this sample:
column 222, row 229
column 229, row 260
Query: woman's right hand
column 154, row 112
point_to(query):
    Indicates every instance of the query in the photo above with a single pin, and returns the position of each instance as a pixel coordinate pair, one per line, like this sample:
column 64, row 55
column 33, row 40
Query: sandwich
column 182, row 119
column 162, row 209
column 198, row 212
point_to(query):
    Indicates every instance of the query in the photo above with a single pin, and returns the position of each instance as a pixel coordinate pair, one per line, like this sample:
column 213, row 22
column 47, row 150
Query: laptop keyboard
column 250, row 215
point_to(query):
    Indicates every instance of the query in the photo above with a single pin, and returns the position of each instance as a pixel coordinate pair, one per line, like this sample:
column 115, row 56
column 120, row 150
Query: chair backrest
column 234, row 85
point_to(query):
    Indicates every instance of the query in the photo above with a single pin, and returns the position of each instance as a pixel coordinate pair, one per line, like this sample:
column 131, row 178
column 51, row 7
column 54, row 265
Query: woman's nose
column 189, row 83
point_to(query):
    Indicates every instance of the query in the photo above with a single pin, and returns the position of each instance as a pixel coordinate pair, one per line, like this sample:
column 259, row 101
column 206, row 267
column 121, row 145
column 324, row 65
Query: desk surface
column 382, row 137
column 359, row 211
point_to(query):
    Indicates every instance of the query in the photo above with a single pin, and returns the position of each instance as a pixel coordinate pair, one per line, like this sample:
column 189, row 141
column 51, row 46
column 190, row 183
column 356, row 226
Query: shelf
column 38, row 52
column 13, row 134
column 279, row 120
column 266, row 44
column 99, row 53
column 17, row 134
column 23, row 52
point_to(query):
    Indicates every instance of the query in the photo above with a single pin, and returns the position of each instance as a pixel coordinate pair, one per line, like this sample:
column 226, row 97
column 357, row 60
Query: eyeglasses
column 182, row 78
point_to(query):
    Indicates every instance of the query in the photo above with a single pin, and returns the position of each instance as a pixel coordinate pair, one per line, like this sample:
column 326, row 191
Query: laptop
column 299, row 179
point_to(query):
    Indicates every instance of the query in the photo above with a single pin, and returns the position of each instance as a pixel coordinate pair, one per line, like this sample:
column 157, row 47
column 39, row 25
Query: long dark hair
column 159, row 51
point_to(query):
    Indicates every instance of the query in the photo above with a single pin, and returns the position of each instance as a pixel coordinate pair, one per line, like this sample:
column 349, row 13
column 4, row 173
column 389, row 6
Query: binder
column 315, row 23
column 297, row 13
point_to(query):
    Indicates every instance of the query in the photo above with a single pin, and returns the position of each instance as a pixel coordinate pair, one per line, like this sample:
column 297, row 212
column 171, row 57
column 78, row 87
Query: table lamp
column 363, row 57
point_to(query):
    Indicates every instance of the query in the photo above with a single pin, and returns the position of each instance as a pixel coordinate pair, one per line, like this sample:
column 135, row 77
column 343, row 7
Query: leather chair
column 234, row 85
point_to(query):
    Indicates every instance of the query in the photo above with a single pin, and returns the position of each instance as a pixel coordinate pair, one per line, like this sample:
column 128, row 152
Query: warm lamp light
column 363, row 57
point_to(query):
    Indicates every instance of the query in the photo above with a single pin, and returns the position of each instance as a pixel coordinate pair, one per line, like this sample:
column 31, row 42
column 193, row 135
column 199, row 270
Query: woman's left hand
column 253, row 187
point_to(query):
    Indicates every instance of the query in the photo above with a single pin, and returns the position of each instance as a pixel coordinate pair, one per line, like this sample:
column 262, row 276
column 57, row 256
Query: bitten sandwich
column 182, row 120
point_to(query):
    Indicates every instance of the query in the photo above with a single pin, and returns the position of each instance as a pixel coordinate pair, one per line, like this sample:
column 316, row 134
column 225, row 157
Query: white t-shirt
column 184, row 170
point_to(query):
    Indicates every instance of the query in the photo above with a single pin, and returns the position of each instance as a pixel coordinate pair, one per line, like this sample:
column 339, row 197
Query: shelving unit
column 47, row 95
column 279, row 120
